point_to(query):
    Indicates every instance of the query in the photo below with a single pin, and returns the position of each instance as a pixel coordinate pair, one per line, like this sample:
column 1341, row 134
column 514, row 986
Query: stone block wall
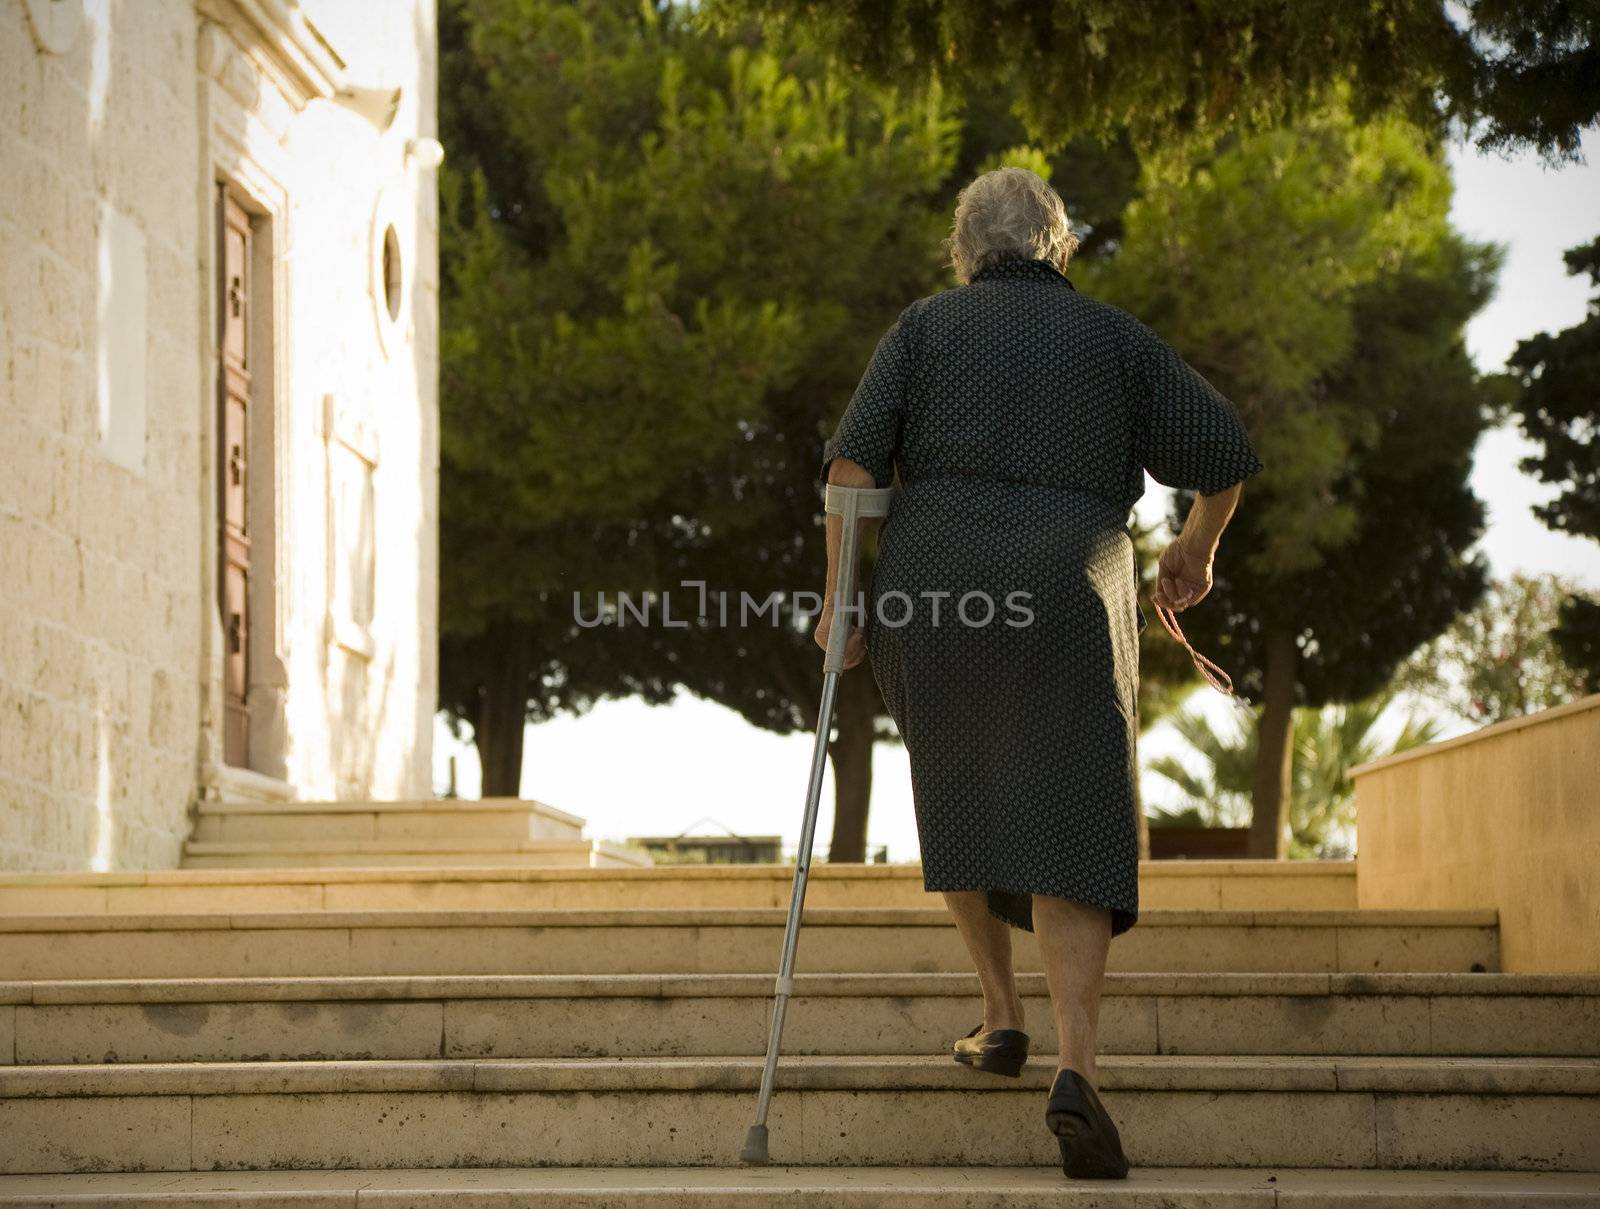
column 99, row 591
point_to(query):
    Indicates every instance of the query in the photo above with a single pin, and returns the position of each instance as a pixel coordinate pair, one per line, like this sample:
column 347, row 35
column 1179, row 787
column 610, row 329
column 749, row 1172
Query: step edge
column 1240, row 1074
column 690, row 985
column 711, row 916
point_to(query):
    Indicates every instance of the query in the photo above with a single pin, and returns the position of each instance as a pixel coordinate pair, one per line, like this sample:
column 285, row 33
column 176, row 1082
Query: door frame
column 238, row 155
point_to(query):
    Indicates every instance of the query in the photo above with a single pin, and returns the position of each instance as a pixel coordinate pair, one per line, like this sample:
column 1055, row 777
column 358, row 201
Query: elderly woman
column 1003, row 620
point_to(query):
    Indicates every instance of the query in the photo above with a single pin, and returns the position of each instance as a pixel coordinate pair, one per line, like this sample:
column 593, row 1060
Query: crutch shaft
column 797, row 895
column 853, row 504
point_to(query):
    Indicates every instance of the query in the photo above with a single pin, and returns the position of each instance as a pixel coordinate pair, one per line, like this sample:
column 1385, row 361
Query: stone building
column 218, row 414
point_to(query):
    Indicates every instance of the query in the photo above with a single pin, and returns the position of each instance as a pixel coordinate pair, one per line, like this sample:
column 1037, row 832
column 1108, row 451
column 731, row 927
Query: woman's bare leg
column 1073, row 940
column 988, row 940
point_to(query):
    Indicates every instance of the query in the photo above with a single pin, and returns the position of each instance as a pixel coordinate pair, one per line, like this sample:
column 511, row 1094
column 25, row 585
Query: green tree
column 1327, row 744
column 1500, row 659
column 1577, row 636
column 1312, row 276
column 1520, row 73
column 1559, row 409
column 667, row 256
column 581, row 377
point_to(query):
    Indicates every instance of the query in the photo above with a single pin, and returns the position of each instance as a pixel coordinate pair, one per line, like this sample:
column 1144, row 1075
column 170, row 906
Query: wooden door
column 233, row 473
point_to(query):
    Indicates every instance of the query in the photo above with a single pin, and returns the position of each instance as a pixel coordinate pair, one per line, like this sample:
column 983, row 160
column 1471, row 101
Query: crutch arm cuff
column 870, row 501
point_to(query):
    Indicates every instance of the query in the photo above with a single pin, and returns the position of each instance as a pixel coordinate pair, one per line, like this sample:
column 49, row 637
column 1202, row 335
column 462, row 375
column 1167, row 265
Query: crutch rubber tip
column 755, row 1145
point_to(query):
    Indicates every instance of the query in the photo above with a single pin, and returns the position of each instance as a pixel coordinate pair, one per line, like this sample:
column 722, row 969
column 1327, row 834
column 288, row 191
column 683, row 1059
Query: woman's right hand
column 1183, row 577
column 855, row 643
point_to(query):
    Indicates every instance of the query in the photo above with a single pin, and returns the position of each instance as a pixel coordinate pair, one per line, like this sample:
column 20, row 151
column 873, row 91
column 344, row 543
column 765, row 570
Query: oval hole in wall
column 391, row 272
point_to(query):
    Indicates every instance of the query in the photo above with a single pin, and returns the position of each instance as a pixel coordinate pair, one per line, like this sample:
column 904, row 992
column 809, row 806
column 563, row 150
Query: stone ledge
column 1494, row 730
column 407, row 844
column 402, row 806
column 522, row 873
column 253, row 789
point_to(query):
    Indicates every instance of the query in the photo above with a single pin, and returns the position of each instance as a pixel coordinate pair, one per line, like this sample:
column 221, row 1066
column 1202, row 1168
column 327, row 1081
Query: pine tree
column 1311, row 275
column 664, row 254
column 581, row 375
column 1559, row 409
column 1519, row 73
column 1327, row 744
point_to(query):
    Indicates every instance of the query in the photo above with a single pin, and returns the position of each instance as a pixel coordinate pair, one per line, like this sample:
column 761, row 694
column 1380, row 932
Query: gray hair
column 1009, row 213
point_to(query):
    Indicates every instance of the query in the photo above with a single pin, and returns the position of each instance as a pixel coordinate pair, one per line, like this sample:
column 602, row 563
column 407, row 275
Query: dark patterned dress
column 1022, row 416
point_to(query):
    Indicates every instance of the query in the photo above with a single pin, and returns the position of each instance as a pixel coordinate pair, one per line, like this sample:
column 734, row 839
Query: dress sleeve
column 1186, row 432
column 869, row 431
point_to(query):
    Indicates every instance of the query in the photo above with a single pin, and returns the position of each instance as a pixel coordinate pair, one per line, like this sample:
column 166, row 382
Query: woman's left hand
column 855, row 646
column 1183, row 578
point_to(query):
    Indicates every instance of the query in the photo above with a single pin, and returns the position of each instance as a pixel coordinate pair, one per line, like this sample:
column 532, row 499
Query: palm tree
column 1327, row 744
column 1218, row 795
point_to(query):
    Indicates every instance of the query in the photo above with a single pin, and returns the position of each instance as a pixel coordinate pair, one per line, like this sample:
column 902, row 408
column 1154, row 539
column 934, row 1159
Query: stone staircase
column 414, row 1036
column 437, row 832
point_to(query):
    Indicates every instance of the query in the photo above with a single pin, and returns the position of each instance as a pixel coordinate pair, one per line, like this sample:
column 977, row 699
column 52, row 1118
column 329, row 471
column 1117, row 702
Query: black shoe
column 1090, row 1147
column 1000, row 1051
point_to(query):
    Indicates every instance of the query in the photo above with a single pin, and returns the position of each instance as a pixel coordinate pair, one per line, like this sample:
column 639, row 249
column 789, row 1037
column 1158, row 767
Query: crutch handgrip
column 854, row 504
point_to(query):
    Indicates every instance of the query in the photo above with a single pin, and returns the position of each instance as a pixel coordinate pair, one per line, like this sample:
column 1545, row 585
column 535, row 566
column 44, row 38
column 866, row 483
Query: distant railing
column 711, row 849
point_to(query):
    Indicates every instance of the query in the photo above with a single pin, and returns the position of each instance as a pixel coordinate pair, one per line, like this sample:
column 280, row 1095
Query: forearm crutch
column 854, row 504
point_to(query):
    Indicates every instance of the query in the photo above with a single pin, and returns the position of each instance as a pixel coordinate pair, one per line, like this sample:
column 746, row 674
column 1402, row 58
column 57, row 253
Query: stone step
column 709, row 941
column 809, row 1188
column 420, row 850
column 560, row 1016
column 491, row 818
column 1163, row 885
column 1539, row 1114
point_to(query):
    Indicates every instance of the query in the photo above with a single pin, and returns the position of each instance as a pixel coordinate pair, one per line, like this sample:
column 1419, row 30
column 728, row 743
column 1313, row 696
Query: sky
column 694, row 767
